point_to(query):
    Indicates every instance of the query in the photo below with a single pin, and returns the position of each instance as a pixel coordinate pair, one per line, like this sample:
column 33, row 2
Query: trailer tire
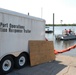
column 21, row 60
column 6, row 65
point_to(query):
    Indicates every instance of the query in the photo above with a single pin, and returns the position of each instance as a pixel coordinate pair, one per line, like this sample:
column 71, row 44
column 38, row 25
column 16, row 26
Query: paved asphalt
column 49, row 68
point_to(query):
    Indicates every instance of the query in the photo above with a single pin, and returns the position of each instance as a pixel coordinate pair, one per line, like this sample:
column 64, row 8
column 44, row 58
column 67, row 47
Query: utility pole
column 53, row 23
column 41, row 12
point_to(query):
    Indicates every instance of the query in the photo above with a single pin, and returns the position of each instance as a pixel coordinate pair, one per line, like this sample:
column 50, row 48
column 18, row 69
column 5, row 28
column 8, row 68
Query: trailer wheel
column 21, row 60
column 6, row 65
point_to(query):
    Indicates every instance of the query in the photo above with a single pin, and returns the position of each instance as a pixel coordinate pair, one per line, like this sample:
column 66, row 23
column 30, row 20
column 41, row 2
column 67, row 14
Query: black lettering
column 3, row 24
column 16, row 26
column 3, row 30
column 15, row 30
column 27, row 31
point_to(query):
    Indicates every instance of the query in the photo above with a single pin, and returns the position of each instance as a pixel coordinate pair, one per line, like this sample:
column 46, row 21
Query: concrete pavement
column 70, row 63
column 63, row 65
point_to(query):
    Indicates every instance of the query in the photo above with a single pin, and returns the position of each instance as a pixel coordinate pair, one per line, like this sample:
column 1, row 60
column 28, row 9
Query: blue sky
column 64, row 9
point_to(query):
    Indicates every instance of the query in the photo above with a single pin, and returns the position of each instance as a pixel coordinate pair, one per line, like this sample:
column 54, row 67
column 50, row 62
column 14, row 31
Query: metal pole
column 53, row 23
column 41, row 12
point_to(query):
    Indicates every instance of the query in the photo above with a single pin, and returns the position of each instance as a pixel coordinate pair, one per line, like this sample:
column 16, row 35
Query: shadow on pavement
column 49, row 68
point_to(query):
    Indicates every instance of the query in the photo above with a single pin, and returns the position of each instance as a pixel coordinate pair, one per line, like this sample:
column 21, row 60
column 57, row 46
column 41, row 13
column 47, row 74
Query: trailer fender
column 14, row 54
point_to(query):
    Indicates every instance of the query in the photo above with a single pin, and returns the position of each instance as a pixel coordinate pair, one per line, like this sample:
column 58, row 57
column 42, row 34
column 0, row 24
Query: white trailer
column 16, row 30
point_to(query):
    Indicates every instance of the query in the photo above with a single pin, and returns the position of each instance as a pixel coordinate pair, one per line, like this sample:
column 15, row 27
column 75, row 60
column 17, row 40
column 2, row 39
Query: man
column 66, row 32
